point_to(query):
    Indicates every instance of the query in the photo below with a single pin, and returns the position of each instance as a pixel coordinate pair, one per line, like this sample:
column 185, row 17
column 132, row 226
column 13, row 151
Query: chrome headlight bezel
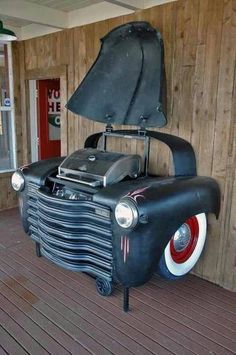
column 126, row 213
column 17, row 181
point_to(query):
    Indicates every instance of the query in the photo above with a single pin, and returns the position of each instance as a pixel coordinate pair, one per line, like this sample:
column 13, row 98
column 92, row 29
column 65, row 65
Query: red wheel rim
column 180, row 256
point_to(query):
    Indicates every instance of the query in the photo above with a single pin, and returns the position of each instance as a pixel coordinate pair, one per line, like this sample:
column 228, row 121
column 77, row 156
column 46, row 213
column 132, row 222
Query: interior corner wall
column 199, row 39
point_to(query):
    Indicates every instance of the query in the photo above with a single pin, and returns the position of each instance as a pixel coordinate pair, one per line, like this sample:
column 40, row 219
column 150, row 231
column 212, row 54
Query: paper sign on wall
column 54, row 114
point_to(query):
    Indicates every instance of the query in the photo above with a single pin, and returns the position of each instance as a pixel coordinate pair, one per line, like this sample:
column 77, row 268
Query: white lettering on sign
column 58, row 120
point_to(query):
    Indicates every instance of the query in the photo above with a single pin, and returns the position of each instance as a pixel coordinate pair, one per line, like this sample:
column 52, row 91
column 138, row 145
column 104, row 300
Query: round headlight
column 17, row 181
column 126, row 214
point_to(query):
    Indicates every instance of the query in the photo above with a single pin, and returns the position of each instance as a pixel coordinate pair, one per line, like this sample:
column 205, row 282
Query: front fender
column 163, row 207
column 38, row 172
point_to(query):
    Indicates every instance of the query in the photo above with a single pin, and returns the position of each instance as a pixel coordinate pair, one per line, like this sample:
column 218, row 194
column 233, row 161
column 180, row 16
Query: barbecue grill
column 101, row 212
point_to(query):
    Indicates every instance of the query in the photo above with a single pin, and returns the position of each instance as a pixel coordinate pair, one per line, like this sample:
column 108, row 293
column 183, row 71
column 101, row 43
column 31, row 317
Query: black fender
column 163, row 206
column 183, row 155
column 35, row 173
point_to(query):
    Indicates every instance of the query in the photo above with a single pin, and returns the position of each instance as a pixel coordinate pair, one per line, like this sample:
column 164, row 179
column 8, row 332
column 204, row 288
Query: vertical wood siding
column 200, row 44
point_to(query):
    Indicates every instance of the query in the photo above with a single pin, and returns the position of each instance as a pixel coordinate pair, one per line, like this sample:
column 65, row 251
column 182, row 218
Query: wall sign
column 54, row 114
column 7, row 102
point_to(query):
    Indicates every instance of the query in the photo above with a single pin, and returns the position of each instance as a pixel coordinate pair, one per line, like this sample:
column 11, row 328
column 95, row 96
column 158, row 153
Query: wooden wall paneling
column 157, row 156
column 168, row 33
column 79, row 72
column 227, row 251
column 125, row 145
column 52, row 50
column 210, row 36
column 8, row 197
column 137, row 146
column 178, row 43
column 17, row 103
column 223, row 125
column 100, row 30
column 39, row 52
column 45, row 72
column 30, row 54
column 229, row 271
column 207, row 124
column 187, row 68
column 60, row 48
column 129, row 145
column 188, row 24
column 23, row 98
column 87, row 125
column 11, row 196
column 3, row 196
column 226, row 268
column 207, row 127
column 115, row 144
column 80, row 61
column 199, row 74
column 198, row 109
column 54, row 45
column 65, row 42
column 64, row 112
column 70, row 88
column 2, row 188
column 44, row 52
column 191, row 14
column 63, row 45
column 173, row 71
column 2, row 191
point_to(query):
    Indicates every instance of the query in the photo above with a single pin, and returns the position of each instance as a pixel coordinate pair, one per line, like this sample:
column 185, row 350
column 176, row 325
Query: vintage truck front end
column 101, row 212
column 97, row 213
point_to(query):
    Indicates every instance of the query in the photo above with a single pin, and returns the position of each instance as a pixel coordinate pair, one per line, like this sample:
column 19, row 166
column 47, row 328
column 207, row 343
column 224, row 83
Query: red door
column 49, row 118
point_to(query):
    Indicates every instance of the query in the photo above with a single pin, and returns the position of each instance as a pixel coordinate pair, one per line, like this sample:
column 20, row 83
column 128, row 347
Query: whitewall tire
column 184, row 248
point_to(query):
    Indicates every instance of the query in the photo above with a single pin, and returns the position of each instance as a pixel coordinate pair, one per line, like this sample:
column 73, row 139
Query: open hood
column 126, row 84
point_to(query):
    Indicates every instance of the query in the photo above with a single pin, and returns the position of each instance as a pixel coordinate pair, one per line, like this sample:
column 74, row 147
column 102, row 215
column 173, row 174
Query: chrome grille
column 33, row 211
column 71, row 233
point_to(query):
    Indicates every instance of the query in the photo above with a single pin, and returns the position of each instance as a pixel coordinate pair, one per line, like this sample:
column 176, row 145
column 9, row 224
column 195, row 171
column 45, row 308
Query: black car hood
column 126, row 83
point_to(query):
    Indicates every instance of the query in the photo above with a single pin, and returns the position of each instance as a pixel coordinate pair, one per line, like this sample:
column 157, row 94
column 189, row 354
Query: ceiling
column 33, row 18
column 65, row 5
column 11, row 21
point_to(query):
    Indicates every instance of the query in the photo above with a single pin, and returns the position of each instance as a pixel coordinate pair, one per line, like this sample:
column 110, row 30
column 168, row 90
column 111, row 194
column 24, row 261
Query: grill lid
column 96, row 167
column 126, row 83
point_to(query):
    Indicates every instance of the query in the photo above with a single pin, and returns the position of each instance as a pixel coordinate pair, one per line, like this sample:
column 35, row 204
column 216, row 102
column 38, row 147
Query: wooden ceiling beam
column 138, row 4
column 129, row 4
column 34, row 13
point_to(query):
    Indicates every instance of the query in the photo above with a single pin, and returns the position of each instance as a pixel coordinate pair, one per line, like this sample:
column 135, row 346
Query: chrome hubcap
column 182, row 238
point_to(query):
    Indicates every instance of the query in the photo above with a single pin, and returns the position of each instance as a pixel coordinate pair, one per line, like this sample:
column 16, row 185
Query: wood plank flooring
column 45, row 309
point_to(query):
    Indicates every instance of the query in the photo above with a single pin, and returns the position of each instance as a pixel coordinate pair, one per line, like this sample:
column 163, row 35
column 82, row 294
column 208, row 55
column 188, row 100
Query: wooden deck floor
column 45, row 309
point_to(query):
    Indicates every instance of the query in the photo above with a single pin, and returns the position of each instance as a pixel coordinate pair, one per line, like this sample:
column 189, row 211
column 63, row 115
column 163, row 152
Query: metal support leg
column 37, row 248
column 126, row 299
